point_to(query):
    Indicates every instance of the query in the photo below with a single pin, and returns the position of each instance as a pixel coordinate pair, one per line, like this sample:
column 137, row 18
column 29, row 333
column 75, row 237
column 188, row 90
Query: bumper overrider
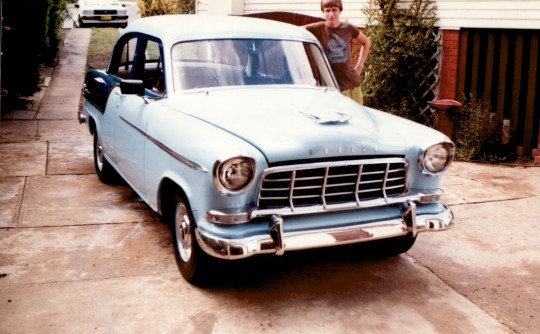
column 277, row 241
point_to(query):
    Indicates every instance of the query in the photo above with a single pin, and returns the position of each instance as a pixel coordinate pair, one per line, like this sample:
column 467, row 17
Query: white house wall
column 453, row 14
column 516, row 14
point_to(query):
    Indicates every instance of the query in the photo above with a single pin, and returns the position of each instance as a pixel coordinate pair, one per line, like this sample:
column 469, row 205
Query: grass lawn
column 101, row 45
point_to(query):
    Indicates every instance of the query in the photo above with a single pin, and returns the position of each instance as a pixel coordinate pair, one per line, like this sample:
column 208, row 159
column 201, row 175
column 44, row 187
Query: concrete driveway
column 78, row 256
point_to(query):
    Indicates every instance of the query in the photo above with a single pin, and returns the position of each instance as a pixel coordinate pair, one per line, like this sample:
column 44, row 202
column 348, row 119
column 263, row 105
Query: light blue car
column 233, row 129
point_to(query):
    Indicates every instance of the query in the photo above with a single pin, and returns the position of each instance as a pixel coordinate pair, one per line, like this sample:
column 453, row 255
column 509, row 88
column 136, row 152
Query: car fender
column 192, row 155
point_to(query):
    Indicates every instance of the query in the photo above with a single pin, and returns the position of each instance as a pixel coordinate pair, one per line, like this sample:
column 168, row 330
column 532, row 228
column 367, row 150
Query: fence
column 501, row 66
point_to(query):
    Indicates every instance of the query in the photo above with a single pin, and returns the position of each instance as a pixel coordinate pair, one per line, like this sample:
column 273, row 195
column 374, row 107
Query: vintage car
column 234, row 130
column 101, row 13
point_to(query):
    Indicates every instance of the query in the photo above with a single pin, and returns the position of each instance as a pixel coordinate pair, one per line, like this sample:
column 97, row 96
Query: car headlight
column 234, row 175
column 437, row 158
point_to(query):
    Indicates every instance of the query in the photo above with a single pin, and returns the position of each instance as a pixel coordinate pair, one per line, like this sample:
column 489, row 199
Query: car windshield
column 99, row 2
column 241, row 62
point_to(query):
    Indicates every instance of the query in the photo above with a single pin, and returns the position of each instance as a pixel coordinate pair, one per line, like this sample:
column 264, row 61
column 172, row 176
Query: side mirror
column 77, row 5
column 132, row 87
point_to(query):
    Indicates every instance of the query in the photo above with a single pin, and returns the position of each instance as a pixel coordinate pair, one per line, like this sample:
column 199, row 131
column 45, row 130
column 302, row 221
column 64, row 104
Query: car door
column 132, row 111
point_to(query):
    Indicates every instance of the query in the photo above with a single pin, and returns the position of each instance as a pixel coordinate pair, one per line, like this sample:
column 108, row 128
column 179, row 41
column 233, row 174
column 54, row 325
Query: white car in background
column 101, row 13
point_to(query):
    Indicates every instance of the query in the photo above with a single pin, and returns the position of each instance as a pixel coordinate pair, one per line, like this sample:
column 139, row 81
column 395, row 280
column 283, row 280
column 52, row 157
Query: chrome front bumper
column 277, row 241
column 121, row 19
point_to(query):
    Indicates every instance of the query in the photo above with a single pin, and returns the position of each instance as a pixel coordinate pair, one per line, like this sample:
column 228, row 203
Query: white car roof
column 173, row 28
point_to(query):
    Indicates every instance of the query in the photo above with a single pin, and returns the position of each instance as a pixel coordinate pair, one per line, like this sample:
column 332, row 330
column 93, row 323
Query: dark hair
column 331, row 3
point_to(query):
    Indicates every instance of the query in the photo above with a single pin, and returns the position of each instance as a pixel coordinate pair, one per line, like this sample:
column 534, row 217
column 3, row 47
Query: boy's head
column 331, row 3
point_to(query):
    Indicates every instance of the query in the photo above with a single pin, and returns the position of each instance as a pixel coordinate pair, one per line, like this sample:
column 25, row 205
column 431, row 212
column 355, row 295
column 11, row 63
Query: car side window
column 123, row 58
column 153, row 76
column 126, row 59
column 141, row 59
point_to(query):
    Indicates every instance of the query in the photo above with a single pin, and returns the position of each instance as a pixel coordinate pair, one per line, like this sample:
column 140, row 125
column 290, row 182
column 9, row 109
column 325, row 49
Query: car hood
column 304, row 123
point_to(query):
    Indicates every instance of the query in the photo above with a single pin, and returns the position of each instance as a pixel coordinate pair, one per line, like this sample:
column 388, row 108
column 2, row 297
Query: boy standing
column 335, row 37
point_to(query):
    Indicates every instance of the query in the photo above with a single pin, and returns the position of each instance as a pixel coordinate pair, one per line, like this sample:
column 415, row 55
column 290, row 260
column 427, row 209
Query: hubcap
column 183, row 232
column 99, row 155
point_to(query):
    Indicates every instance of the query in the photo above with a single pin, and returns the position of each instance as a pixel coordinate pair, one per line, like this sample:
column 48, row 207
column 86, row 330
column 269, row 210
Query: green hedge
column 30, row 40
column 402, row 46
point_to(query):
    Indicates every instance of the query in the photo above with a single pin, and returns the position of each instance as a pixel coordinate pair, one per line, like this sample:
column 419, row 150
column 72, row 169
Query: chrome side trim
column 271, row 243
column 220, row 217
column 182, row 159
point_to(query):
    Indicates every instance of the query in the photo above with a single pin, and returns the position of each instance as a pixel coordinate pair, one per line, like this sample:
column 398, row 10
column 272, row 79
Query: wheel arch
column 167, row 189
column 92, row 125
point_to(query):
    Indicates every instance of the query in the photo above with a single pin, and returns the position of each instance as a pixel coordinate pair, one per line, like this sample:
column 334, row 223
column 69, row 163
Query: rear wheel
column 104, row 170
column 192, row 261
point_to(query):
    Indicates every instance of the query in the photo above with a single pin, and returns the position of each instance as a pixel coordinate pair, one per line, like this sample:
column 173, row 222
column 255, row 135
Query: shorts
column 355, row 94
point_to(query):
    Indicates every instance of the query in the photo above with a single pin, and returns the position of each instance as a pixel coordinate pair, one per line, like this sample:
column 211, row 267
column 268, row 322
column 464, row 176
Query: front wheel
column 393, row 246
column 192, row 261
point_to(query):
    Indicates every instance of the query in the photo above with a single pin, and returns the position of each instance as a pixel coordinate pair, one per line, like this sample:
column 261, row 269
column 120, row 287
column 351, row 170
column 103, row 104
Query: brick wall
column 448, row 85
column 449, row 65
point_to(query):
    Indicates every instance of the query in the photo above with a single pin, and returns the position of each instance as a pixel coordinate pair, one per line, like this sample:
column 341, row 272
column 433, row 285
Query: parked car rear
column 101, row 13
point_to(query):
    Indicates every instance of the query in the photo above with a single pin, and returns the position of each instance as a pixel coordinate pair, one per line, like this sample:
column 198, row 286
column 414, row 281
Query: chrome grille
column 333, row 183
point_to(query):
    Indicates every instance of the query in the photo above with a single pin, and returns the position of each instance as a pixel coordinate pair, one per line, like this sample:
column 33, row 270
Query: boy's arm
column 365, row 45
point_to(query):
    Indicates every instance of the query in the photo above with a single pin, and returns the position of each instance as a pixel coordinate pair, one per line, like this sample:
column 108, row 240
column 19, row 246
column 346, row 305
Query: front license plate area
column 106, row 18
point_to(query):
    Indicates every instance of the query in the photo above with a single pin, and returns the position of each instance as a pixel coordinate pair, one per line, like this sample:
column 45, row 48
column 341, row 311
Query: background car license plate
column 106, row 18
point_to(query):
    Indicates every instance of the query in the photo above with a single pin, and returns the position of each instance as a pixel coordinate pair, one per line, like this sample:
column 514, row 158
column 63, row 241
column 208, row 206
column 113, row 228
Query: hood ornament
column 327, row 118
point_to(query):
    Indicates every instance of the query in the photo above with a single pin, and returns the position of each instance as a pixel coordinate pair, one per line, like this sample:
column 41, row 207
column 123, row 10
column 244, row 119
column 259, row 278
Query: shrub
column 187, row 7
column 157, row 7
column 55, row 17
column 163, row 7
column 478, row 135
column 403, row 45
column 30, row 39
